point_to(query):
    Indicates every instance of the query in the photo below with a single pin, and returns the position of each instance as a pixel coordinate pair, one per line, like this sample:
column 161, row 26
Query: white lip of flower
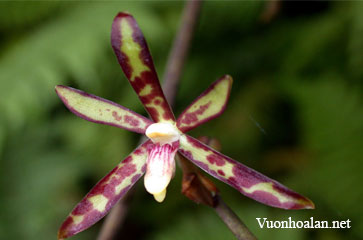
column 163, row 133
column 160, row 162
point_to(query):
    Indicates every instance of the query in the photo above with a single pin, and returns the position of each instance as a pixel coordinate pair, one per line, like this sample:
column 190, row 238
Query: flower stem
column 180, row 49
column 237, row 227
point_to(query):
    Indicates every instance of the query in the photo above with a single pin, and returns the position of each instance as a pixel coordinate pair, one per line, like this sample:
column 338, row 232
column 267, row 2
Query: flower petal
column 160, row 168
column 134, row 57
column 106, row 193
column 210, row 104
column 99, row 110
column 246, row 180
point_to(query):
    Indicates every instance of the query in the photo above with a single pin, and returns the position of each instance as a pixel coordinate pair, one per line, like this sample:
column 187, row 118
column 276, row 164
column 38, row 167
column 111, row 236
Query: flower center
column 163, row 133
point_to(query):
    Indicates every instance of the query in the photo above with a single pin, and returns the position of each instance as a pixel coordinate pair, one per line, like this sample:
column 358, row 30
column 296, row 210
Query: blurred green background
column 295, row 112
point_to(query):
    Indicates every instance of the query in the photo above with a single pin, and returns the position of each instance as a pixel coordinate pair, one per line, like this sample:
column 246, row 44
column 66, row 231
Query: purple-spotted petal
column 210, row 104
column 99, row 110
column 246, row 180
column 134, row 57
column 106, row 193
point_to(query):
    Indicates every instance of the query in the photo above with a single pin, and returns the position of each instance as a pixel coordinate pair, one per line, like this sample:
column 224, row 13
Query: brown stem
column 237, row 227
column 180, row 48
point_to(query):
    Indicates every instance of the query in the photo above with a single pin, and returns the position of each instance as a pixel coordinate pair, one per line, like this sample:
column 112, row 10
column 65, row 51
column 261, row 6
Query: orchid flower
column 167, row 136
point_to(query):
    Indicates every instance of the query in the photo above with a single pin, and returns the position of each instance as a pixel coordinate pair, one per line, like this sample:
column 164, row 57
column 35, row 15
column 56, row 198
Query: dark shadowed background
column 295, row 112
